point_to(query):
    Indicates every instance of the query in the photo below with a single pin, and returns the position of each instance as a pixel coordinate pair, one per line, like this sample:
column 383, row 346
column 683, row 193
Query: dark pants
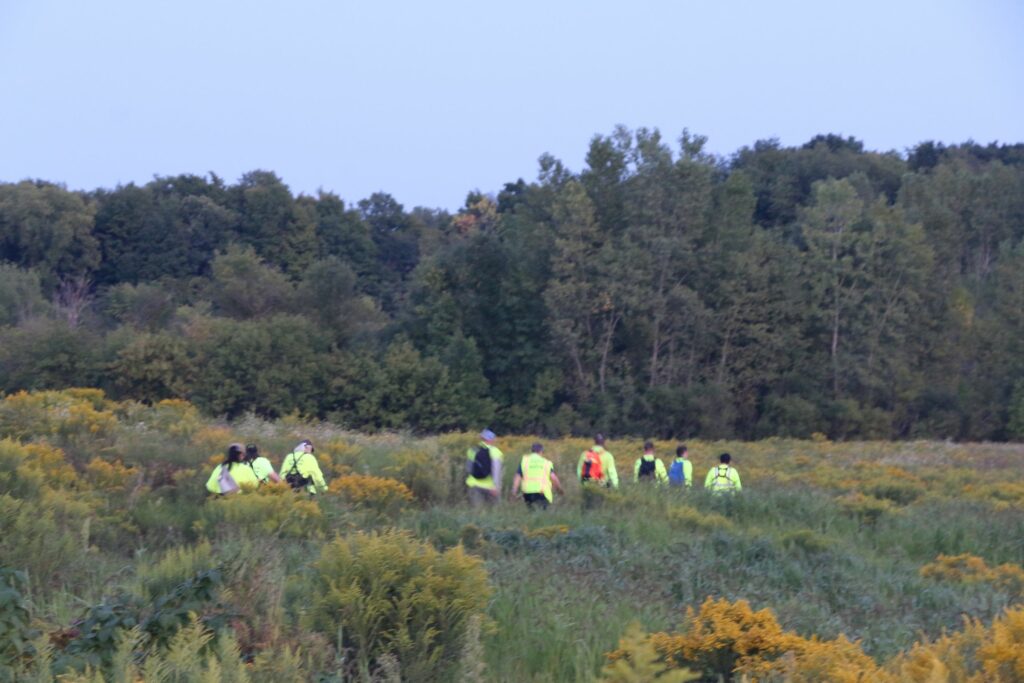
column 532, row 499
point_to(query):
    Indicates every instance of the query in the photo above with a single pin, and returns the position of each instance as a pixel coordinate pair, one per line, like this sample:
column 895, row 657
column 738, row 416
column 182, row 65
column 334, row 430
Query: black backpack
column 294, row 479
column 481, row 463
column 646, row 469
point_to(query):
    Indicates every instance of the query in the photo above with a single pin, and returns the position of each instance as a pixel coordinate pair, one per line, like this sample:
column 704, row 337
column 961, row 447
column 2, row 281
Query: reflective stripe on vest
column 536, row 474
column 722, row 481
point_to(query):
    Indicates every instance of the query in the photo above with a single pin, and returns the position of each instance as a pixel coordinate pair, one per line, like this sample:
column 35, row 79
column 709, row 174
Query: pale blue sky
column 429, row 100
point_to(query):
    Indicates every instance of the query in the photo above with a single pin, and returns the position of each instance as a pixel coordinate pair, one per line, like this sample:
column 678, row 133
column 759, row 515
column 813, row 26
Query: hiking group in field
column 535, row 479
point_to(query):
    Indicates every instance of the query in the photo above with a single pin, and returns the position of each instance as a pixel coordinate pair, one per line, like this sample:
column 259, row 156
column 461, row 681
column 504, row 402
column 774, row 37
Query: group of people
column 244, row 468
column 536, row 481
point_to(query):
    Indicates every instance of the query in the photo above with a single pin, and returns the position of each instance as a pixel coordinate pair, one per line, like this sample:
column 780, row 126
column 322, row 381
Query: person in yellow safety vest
column 483, row 471
column 301, row 469
column 680, row 472
column 648, row 468
column 723, row 477
column 232, row 475
column 537, row 475
column 609, row 475
column 260, row 465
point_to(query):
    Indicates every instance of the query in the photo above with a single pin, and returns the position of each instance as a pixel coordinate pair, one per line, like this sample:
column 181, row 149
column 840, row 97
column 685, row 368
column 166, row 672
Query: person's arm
column 515, row 484
column 688, row 472
column 556, row 483
column 710, row 478
column 660, row 473
column 316, row 474
column 579, row 466
column 613, row 474
column 496, row 476
column 739, row 486
column 636, row 470
column 211, row 483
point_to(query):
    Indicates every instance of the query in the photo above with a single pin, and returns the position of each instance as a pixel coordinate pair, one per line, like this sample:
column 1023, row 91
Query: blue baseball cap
column 487, row 435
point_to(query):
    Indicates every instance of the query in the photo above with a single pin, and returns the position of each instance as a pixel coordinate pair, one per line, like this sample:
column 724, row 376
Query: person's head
column 599, row 439
column 487, row 436
column 304, row 446
column 648, row 447
column 681, row 450
column 236, row 452
column 725, row 458
column 537, row 448
column 251, row 452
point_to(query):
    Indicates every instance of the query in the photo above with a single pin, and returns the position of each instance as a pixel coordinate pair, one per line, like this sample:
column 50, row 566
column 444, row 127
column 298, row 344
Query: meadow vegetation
column 859, row 561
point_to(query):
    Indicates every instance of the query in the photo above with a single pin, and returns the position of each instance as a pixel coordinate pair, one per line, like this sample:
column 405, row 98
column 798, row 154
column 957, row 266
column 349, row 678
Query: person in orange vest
column 597, row 465
column 536, row 477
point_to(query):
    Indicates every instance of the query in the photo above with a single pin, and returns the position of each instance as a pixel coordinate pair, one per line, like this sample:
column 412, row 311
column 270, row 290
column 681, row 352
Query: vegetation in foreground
column 839, row 561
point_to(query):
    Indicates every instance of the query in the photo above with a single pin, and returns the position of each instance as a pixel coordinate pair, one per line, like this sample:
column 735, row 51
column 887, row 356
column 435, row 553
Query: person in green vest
column 649, row 468
column 723, row 477
column 598, row 465
column 680, row 472
column 536, row 477
column 232, row 475
column 260, row 465
column 301, row 470
column 483, row 471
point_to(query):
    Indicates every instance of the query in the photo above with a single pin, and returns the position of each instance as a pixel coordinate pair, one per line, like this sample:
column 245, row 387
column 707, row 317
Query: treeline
column 659, row 291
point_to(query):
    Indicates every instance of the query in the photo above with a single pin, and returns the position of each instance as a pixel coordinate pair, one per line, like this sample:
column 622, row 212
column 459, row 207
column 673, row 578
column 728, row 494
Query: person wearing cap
column 723, row 477
column 302, row 465
column 536, row 475
column 232, row 475
column 649, row 468
column 486, row 489
column 260, row 465
column 609, row 475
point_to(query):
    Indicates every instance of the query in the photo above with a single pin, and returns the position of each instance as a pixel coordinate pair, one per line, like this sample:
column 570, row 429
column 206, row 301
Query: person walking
column 483, row 471
column 536, row 475
column 301, row 469
column 680, row 472
column 597, row 465
column 232, row 475
column 260, row 465
column 723, row 477
column 649, row 468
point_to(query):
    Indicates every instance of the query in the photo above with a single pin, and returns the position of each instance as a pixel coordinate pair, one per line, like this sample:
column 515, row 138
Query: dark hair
column 251, row 451
column 681, row 448
column 725, row 458
column 599, row 439
column 537, row 448
column 234, row 454
column 648, row 446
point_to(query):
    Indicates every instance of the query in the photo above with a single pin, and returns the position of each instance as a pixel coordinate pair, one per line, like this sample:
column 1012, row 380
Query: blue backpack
column 676, row 475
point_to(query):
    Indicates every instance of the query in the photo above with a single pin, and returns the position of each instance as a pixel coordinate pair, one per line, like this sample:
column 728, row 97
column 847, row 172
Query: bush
column 270, row 510
column 391, row 594
column 380, row 494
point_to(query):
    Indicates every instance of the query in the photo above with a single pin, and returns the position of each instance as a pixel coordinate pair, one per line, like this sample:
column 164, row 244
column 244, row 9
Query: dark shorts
column 535, row 498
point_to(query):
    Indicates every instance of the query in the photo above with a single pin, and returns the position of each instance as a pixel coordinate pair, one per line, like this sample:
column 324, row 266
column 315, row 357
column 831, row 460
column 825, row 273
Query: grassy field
column 119, row 567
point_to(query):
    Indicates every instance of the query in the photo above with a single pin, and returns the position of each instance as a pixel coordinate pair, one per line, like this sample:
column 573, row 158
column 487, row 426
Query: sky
column 428, row 101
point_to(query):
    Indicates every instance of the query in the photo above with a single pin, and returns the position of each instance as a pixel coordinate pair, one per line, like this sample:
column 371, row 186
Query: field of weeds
column 838, row 561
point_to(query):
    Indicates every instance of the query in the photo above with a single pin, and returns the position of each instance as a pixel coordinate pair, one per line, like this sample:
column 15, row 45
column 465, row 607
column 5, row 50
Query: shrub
column 391, row 594
column 176, row 566
column 269, row 510
column 689, row 519
column 967, row 568
column 380, row 494
column 726, row 638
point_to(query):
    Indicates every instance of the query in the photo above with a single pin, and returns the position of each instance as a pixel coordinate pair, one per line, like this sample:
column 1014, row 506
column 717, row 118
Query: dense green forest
column 660, row 290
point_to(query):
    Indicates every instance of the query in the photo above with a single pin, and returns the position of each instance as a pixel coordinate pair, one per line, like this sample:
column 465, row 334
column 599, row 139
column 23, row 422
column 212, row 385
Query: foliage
column 388, row 593
column 379, row 494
